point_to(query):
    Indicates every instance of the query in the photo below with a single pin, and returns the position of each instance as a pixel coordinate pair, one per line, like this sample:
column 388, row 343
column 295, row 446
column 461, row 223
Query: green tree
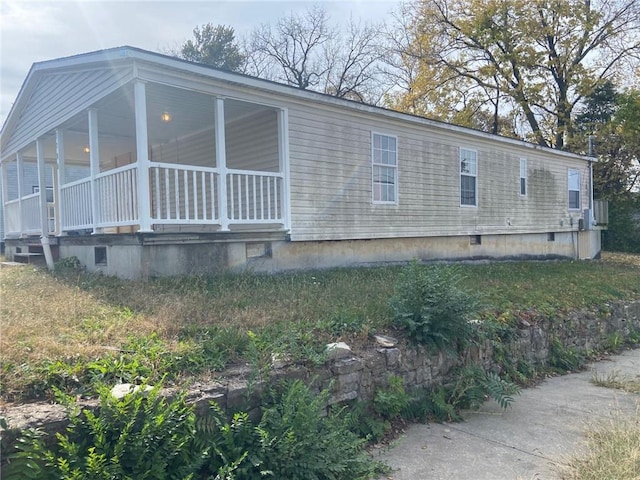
column 538, row 58
column 213, row 45
column 611, row 121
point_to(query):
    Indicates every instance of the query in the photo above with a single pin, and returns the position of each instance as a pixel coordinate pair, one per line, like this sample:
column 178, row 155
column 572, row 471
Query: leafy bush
column 431, row 308
column 140, row 436
column 623, row 232
column 564, row 359
column 474, row 385
column 470, row 388
column 393, row 401
column 301, row 442
column 146, row 436
column 232, row 448
column 365, row 423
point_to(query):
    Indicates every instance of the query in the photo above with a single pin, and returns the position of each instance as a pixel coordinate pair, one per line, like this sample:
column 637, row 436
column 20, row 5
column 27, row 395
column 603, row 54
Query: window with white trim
column 468, row 177
column 384, row 159
column 574, row 189
column 49, row 192
column 523, row 177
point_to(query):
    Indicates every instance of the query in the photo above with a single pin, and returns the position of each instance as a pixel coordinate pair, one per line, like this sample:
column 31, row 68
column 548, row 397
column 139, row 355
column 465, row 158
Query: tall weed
column 431, row 308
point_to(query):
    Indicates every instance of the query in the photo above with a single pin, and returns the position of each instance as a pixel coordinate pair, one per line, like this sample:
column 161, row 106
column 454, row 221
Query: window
column 574, row 190
column 385, row 169
column 551, row 237
column 468, row 174
column 523, row 177
column 475, row 240
column 100, row 255
column 49, row 191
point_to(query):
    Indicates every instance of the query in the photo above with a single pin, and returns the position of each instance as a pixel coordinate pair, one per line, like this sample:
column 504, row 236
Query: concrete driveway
column 528, row 441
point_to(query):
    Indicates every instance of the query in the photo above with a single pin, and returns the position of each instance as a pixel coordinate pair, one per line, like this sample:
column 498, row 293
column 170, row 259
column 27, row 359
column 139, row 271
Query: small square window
column 551, row 237
column 100, row 255
column 475, row 240
column 49, row 192
column 258, row 250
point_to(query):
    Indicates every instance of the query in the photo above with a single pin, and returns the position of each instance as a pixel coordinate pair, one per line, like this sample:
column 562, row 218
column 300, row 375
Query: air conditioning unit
column 587, row 219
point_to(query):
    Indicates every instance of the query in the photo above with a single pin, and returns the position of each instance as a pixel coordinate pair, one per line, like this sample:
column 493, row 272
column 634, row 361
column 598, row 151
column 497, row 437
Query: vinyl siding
column 30, row 177
column 330, row 165
column 57, row 96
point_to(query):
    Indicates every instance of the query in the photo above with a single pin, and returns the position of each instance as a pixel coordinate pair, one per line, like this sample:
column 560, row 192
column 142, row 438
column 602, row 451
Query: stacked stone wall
column 358, row 375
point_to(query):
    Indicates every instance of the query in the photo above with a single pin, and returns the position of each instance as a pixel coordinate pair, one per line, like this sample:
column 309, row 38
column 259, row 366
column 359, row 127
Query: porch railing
column 31, row 214
column 601, row 212
column 254, row 197
column 183, row 194
column 179, row 194
column 12, row 217
column 75, row 205
column 31, row 219
column 117, row 196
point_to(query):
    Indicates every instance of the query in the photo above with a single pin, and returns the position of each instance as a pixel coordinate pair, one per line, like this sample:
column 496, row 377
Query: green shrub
column 147, row 436
column 300, row 442
column 564, row 359
column 141, row 436
column 474, row 385
column 365, row 423
column 232, row 447
column 468, row 391
column 393, row 401
column 430, row 307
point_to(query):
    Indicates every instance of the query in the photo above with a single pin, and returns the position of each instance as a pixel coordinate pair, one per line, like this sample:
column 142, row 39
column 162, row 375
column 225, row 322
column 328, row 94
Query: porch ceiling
column 190, row 112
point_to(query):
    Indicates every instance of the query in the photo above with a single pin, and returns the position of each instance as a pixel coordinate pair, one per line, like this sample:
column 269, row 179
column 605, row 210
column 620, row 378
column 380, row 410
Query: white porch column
column 221, row 164
column 142, row 157
column 62, row 174
column 5, row 193
column 94, row 163
column 60, row 178
column 283, row 152
column 42, row 185
column 20, row 175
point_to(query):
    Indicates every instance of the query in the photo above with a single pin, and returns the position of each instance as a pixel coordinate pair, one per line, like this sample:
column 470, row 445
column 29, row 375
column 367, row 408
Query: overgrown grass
column 615, row 380
column 613, row 447
column 613, row 451
column 58, row 329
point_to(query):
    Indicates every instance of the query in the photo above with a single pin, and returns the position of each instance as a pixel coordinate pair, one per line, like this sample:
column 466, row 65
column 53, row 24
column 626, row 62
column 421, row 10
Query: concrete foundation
column 148, row 255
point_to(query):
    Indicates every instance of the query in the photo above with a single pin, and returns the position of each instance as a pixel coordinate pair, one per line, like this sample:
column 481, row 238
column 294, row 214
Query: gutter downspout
column 46, row 248
column 592, row 158
column 44, row 207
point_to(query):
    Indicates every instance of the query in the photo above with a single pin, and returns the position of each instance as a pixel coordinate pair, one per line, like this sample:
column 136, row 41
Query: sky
column 34, row 31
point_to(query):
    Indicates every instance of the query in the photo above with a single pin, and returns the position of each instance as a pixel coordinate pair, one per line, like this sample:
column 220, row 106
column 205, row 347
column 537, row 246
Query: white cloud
column 33, row 31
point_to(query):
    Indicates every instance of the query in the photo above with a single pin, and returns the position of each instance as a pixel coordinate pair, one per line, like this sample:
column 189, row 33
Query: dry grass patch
column 45, row 318
column 613, row 451
column 615, row 380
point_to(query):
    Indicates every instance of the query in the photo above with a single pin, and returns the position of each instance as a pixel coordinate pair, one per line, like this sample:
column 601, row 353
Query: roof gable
column 55, row 96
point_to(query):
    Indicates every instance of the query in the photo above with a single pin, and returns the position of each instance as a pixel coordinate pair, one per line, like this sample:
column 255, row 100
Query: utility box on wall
column 588, row 219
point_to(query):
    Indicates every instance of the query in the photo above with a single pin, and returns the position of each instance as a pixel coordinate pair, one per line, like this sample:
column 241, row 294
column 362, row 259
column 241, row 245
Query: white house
column 141, row 165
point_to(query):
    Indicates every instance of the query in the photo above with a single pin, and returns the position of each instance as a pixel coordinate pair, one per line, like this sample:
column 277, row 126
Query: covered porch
column 150, row 157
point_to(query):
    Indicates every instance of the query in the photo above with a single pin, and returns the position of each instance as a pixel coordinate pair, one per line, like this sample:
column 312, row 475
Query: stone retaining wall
column 357, row 375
